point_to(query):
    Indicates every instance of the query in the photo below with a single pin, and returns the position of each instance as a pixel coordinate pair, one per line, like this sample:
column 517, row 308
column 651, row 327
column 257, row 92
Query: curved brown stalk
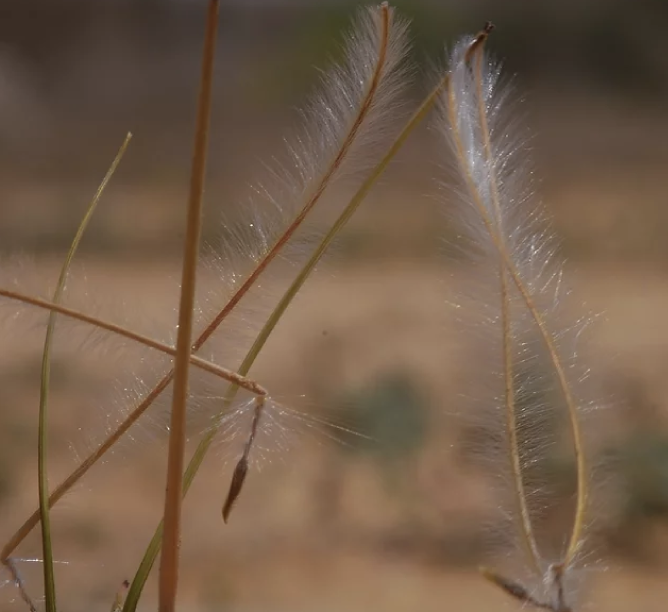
column 241, row 469
column 317, row 193
column 207, row 366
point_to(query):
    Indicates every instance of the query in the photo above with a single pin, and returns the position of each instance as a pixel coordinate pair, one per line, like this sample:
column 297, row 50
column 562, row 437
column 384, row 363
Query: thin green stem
column 44, row 507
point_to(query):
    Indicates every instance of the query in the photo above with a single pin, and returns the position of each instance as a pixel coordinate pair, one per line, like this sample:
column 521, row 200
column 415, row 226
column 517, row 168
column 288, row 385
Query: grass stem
column 169, row 562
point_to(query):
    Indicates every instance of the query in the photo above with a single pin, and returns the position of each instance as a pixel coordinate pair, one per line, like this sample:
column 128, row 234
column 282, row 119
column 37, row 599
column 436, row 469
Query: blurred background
column 400, row 517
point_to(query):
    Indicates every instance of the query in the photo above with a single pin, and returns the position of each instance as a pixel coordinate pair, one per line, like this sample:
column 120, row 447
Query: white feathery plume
column 346, row 129
column 346, row 126
column 498, row 219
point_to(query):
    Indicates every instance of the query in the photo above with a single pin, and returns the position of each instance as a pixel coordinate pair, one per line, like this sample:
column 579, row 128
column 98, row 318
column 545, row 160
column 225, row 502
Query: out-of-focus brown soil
column 276, row 553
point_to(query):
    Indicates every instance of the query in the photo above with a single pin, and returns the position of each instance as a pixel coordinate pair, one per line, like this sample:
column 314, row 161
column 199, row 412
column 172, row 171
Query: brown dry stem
column 169, row 561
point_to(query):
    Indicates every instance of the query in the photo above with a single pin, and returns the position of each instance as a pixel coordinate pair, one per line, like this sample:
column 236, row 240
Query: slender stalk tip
column 479, row 40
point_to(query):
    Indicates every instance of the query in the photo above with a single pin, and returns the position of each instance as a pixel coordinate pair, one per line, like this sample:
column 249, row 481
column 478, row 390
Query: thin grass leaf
column 169, row 563
column 275, row 316
column 44, row 506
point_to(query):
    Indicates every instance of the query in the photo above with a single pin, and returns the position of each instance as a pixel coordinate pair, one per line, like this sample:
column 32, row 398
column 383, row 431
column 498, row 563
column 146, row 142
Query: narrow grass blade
column 169, row 563
column 47, row 551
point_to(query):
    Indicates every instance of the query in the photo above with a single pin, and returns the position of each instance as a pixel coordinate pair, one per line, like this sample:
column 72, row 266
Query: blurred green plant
column 639, row 461
column 642, row 466
column 392, row 414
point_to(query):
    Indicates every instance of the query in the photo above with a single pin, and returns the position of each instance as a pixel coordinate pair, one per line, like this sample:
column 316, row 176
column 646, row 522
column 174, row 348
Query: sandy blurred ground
column 319, row 527
column 286, row 546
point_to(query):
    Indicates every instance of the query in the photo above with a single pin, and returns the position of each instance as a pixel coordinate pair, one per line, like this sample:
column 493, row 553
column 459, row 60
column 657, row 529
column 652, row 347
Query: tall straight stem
column 169, row 561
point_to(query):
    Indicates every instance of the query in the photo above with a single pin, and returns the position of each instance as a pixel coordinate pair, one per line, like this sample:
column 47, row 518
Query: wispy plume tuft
column 345, row 128
column 507, row 235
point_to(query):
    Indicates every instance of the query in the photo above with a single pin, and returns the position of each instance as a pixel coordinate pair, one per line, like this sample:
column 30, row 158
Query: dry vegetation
column 334, row 519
